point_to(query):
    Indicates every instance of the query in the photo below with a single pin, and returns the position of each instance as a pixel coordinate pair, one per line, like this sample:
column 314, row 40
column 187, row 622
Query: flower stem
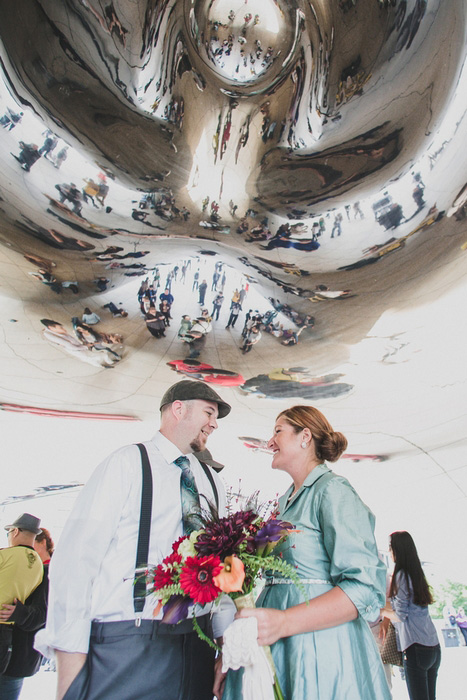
column 203, row 636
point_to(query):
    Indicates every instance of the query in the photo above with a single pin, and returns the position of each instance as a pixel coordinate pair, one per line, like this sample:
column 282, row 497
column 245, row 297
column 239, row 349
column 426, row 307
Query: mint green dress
column 335, row 547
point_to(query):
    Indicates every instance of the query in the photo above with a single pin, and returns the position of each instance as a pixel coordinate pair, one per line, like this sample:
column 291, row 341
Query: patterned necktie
column 189, row 495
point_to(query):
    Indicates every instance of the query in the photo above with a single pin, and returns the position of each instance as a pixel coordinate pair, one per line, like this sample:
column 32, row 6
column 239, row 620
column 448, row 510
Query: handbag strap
column 142, row 550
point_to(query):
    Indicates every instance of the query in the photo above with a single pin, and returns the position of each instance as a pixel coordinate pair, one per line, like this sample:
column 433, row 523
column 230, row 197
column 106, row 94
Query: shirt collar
column 168, row 450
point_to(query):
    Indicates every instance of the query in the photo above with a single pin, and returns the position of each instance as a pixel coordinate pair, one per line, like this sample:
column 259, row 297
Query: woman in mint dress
column 323, row 650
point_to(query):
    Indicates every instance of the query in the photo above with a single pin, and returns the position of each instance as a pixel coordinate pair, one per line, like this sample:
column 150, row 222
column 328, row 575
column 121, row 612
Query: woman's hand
column 271, row 623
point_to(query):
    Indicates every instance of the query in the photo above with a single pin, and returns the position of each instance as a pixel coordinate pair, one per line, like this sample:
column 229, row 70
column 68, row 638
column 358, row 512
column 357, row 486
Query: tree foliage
column 448, row 593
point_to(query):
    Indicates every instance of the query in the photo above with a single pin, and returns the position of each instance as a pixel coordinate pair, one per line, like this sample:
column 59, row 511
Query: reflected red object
column 207, row 373
column 361, row 458
column 57, row 413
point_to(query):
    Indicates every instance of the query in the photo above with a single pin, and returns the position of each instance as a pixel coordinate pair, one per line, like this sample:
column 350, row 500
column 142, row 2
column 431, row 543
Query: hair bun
column 332, row 446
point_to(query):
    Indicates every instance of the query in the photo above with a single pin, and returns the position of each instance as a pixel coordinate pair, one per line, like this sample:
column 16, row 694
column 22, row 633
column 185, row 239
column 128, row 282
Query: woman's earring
column 304, row 445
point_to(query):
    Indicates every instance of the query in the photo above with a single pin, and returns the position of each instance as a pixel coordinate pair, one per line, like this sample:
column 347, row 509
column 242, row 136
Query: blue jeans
column 421, row 666
column 10, row 687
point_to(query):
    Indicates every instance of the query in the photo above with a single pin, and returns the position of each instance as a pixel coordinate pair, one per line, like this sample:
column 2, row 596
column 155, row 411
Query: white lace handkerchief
column 241, row 649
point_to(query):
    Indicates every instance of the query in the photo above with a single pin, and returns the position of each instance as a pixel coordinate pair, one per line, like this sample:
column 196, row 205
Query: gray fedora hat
column 186, row 390
column 28, row 522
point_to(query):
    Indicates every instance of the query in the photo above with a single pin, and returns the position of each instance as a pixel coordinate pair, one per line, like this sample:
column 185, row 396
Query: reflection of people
column 92, row 611
column 321, row 648
column 252, row 337
column 25, row 661
column 115, row 310
column 10, row 119
column 28, row 155
column 90, row 317
column 57, row 334
column 416, row 635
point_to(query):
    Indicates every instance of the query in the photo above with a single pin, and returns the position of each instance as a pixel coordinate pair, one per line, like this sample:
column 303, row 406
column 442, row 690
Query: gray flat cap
column 186, row 390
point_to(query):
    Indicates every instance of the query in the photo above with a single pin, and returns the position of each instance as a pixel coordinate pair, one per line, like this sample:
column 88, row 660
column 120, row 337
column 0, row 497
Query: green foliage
column 449, row 593
column 203, row 636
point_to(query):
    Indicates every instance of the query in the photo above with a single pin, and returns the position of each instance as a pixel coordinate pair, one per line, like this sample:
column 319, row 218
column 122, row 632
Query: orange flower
column 232, row 575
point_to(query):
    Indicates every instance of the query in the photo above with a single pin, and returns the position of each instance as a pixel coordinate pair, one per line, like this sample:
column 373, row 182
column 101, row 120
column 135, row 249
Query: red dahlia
column 224, row 536
column 196, row 578
column 166, row 573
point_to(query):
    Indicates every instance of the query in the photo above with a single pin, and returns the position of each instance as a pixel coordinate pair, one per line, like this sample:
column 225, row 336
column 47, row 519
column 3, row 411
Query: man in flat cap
column 21, row 572
column 108, row 644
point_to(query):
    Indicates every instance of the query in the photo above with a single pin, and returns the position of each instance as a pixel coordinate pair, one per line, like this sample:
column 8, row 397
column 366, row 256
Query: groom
column 104, row 649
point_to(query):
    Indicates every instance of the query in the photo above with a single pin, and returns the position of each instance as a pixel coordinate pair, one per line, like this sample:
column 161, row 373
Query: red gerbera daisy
column 196, row 578
column 166, row 573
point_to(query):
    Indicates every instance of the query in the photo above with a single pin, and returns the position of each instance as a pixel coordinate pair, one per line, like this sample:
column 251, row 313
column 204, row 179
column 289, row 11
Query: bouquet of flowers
column 227, row 555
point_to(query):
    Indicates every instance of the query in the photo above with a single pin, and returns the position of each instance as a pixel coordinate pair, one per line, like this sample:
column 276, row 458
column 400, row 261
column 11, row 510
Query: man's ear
column 178, row 409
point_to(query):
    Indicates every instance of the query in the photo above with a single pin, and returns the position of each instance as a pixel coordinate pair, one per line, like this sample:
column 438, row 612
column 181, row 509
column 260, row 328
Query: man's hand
column 7, row 611
column 219, row 679
column 68, row 666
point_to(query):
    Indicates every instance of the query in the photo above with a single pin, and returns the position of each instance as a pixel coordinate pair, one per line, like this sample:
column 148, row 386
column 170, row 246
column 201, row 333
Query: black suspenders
column 142, row 551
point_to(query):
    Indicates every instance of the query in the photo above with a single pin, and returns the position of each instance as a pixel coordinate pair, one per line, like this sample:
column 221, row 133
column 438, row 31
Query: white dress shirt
column 92, row 571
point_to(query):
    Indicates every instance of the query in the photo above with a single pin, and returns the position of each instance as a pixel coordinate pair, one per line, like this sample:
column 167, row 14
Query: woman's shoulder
column 332, row 488
column 329, row 481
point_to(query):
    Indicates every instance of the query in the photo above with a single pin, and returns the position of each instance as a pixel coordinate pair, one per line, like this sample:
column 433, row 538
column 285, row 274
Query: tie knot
column 182, row 462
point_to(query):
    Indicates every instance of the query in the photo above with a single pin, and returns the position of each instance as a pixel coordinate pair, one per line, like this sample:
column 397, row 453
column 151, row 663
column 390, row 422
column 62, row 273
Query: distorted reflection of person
column 70, row 193
column 410, row 595
column 115, row 310
column 155, row 322
column 56, row 334
column 322, row 645
column 90, row 317
column 97, row 342
column 28, row 155
column 49, row 144
column 61, row 157
column 10, row 119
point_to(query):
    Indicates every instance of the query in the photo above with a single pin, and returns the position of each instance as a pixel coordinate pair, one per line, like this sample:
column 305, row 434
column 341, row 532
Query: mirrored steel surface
column 314, row 146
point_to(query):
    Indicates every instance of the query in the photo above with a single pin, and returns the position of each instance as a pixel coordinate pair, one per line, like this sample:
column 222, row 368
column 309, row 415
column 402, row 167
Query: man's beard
column 196, row 444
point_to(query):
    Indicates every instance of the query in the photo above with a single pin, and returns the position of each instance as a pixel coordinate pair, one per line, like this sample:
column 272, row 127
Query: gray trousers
column 152, row 662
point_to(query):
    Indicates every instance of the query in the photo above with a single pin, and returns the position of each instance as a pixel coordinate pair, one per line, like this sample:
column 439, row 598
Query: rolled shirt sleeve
column 348, row 531
column 223, row 616
column 92, row 571
column 80, row 552
column 401, row 602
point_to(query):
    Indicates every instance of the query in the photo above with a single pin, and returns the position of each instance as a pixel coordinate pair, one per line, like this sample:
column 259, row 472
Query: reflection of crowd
column 87, row 344
column 47, row 278
column 241, row 50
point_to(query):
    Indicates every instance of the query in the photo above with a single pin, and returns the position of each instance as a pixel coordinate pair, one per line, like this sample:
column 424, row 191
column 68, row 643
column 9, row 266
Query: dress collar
column 315, row 473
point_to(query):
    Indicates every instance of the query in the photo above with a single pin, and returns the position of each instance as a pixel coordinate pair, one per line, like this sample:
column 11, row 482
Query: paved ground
column 451, row 680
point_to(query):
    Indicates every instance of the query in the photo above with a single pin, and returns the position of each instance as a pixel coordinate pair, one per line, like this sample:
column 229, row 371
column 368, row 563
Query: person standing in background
column 21, row 571
column 410, row 596
column 25, row 661
column 461, row 621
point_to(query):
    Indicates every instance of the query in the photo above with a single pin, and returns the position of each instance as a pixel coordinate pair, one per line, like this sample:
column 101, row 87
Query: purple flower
column 272, row 532
column 176, row 609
